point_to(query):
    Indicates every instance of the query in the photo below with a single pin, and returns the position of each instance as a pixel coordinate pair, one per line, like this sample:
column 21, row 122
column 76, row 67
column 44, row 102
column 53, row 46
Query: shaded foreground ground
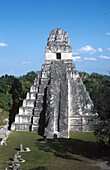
column 79, row 152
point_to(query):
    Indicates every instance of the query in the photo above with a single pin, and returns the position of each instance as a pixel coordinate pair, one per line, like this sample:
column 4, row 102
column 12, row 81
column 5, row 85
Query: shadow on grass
column 39, row 168
column 17, row 149
column 11, row 159
column 66, row 148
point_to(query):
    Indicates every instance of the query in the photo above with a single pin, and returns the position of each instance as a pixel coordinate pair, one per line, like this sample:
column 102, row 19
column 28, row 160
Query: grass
column 79, row 152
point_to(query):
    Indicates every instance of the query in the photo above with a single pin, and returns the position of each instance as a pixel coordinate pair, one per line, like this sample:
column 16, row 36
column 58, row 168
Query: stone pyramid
column 58, row 101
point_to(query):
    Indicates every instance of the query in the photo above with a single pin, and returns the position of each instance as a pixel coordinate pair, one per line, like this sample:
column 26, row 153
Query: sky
column 25, row 27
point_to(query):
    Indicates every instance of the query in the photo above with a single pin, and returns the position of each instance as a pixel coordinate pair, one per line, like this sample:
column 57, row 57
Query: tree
column 3, row 116
column 98, row 87
column 6, row 101
column 30, row 77
column 103, row 132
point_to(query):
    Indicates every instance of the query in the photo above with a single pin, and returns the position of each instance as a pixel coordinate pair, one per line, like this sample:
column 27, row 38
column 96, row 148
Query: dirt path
column 103, row 164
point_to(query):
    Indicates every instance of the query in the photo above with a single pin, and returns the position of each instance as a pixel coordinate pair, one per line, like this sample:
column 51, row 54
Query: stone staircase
column 57, row 101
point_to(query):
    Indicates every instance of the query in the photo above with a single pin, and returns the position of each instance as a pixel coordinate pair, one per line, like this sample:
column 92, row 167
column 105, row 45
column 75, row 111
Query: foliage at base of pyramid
column 58, row 101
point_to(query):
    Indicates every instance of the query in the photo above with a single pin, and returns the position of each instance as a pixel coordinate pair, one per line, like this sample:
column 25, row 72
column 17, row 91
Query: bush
column 103, row 132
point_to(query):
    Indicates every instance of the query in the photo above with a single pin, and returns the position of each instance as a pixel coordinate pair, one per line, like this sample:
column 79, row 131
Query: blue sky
column 25, row 27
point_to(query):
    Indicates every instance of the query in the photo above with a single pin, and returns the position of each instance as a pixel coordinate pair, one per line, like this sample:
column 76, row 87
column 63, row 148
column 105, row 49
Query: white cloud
column 108, row 33
column 76, row 58
column 108, row 49
column 86, row 49
column 3, row 44
column 104, row 57
column 25, row 62
column 75, row 53
column 99, row 50
column 92, row 59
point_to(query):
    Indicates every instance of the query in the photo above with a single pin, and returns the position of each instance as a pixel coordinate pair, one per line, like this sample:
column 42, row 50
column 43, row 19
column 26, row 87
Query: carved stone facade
column 58, row 46
column 58, row 42
column 58, row 101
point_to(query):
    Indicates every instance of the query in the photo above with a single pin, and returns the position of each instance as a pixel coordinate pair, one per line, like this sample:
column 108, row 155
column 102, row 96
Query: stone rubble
column 4, row 133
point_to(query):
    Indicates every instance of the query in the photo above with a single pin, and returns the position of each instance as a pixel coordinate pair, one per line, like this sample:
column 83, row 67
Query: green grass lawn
column 80, row 151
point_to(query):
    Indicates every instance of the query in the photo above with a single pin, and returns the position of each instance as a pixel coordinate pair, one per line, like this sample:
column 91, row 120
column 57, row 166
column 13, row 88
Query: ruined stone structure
column 58, row 101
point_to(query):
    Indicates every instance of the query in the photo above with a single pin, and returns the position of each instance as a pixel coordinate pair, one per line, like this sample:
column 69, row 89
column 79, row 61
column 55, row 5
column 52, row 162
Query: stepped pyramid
column 58, row 101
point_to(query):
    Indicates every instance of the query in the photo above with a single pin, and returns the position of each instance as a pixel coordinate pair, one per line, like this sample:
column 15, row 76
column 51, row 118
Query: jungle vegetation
column 98, row 87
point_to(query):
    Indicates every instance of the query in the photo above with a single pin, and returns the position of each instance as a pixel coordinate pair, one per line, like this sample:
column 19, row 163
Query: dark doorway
column 58, row 56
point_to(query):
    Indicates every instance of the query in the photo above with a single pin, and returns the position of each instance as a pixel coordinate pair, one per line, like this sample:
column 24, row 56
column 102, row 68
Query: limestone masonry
column 58, row 101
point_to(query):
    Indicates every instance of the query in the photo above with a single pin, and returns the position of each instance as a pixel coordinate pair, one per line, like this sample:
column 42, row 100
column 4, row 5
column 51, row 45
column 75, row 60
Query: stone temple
column 58, row 101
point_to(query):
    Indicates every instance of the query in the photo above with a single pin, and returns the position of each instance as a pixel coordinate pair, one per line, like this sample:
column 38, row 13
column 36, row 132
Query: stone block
column 37, row 110
column 76, row 128
column 40, row 96
column 22, row 127
column 25, row 111
column 34, row 88
column 28, row 102
column 31, row 95
column 36, row 120
column 39, row 105
column 35, row 127
column 23, row 119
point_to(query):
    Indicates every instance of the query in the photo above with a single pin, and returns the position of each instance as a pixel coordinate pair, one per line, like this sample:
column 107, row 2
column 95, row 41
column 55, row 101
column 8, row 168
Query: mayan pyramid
column 58, row 101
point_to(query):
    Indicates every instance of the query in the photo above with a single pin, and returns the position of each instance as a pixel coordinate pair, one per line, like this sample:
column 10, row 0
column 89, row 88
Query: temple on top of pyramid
column 58, row 101
column 58, row 46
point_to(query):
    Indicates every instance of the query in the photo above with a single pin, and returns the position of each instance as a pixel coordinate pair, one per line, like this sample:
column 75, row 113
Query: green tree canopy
column 98, row 87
